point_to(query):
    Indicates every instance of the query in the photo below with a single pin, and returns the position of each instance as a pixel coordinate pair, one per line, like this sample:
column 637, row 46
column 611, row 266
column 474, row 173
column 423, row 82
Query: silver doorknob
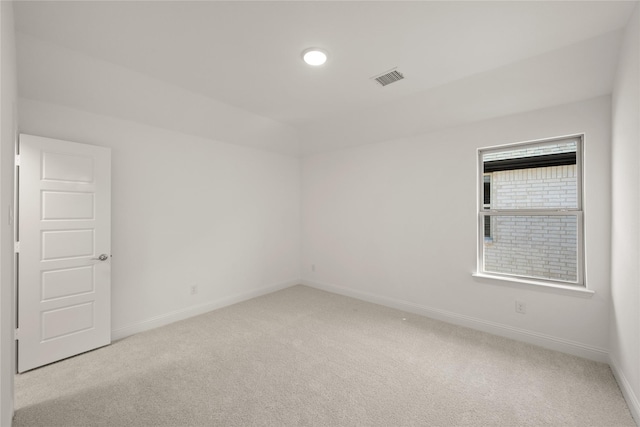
column 102, row 257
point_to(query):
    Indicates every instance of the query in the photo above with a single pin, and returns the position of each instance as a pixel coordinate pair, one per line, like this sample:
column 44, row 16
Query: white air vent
column 388, row 77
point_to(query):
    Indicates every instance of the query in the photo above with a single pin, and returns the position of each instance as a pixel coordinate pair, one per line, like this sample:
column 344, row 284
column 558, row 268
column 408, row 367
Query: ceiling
column 462, row 61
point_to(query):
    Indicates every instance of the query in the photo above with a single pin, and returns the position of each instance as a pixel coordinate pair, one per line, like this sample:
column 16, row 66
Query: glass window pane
column 486, row 190
column 544, row 247
column 534, row 177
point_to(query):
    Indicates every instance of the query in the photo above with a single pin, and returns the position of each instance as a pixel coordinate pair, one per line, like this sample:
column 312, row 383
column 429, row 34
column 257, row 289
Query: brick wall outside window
column 536, row 246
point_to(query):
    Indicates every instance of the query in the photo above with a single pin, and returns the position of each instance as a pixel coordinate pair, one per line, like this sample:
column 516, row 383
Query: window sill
column 565, row 289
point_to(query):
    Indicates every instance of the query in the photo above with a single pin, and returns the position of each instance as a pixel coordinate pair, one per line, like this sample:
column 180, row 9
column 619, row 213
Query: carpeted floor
column 303, row 357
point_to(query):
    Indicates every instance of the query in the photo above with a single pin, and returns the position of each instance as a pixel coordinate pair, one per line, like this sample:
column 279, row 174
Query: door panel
column 67, row 205
column 66, row 244
column 67, row 320
column 64, row 290
column 68, row 168
column 67, row 282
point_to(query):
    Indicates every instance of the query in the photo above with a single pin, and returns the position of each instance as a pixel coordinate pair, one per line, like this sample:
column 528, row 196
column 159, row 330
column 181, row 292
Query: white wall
column 8, row 90
column 186, row 211
column 396, row 222
column 61, row 76
column 625, row 248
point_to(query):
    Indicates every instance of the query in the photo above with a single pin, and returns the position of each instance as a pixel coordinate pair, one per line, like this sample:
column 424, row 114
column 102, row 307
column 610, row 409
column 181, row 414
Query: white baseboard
column 531, row 337
column 174, row 316
column 625, row 387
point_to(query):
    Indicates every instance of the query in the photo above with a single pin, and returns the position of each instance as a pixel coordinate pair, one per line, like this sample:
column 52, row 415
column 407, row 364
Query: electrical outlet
column 521, row 307
column 193, row 290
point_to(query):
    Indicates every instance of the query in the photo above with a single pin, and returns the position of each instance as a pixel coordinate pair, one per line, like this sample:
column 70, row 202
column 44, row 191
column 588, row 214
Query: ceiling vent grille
column 388, row 77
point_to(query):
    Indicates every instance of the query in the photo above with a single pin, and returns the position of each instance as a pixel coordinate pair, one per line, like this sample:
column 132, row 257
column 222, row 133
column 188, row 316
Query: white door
column 64, row 252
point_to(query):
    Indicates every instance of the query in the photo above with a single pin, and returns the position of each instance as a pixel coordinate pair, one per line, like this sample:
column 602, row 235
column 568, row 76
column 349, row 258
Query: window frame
column 577, row 212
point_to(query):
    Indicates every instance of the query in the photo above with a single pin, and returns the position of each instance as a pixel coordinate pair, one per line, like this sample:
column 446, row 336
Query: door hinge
column 16, row 334
column 17, row 159
column 16, row 247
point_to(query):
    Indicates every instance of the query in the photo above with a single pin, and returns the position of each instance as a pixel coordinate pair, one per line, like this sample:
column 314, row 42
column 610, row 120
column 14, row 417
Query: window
column 486, row 205
column 530, row 211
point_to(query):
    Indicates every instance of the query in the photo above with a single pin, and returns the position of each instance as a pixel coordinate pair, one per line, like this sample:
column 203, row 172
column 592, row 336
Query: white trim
column 577, row 290
column 629, row 396
column 541, row 141
column 554, row 343
column 195, row 310
column 578, row 211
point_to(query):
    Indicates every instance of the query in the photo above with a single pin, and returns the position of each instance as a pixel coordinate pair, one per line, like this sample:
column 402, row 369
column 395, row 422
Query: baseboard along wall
column 195, row 310
column 629, row 396
column 542, row 340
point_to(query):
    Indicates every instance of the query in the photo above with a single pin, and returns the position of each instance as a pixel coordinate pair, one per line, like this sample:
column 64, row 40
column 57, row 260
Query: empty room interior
column 319, row 213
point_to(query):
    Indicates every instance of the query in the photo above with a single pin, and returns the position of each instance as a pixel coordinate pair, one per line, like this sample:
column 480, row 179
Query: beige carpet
column 302, row 357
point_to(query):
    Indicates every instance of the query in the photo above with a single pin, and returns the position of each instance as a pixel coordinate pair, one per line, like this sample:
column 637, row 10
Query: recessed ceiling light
column 314, row 56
